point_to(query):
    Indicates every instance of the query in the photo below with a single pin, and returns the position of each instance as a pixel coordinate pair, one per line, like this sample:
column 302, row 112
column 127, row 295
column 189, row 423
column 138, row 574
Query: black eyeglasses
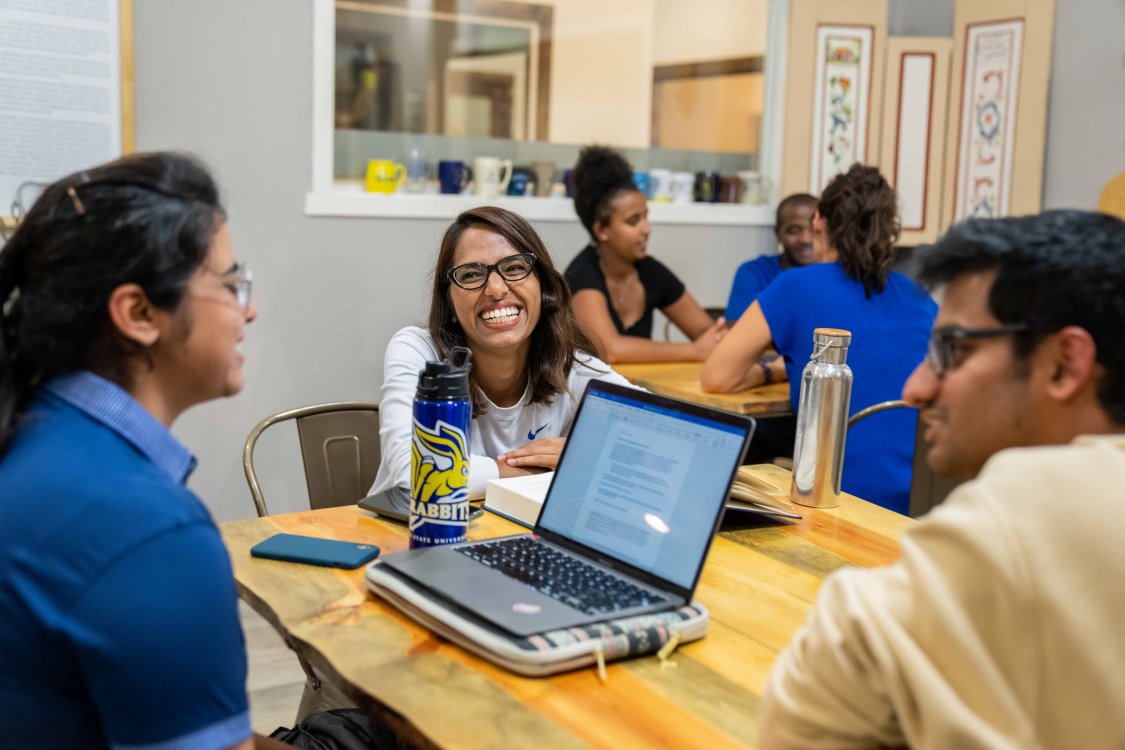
column 475, row 275
column 942, row 353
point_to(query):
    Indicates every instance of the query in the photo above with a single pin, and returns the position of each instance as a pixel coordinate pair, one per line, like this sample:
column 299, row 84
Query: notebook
column 637, row 496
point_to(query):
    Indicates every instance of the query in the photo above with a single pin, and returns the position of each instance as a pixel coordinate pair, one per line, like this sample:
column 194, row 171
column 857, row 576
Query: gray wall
column 1086, row 115
column 231, row 81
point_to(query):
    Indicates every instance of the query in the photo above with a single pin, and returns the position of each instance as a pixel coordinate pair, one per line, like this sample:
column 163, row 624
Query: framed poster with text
column 66, row 92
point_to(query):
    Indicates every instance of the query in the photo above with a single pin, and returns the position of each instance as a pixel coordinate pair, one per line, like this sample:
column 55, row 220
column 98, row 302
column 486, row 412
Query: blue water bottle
column 439, row 461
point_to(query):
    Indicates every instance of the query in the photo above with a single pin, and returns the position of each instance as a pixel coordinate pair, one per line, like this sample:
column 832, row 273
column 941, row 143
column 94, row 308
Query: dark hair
column 599, row 176
column 1053, row 270
column 556, row 339
column 146, row 219
column 862, row 215
column 796, row 199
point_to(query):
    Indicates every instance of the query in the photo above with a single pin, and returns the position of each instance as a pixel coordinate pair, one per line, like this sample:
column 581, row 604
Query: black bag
column 339, row 729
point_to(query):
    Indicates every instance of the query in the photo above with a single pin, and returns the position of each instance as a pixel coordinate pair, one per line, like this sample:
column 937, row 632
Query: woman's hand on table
column 536, row 456
column 709, row 339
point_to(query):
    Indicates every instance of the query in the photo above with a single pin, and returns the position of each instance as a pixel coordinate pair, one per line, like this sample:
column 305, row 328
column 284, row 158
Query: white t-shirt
column 498, row 430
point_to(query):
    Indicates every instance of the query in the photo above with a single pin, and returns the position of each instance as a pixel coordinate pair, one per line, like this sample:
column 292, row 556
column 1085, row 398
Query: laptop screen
column 643, row 482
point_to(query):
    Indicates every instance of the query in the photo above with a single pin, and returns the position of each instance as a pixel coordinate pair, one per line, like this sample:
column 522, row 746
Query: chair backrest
column 927, row 489
column 339, row 448
column 714, row 312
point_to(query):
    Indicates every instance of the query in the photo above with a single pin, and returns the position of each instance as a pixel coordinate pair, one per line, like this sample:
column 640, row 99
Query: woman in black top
column 616, row 286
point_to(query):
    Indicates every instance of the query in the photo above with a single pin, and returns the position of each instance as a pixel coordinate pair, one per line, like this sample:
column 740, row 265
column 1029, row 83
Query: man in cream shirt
column 1001, row 625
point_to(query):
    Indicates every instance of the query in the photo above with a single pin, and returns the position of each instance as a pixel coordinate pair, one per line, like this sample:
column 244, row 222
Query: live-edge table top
column 758, row 583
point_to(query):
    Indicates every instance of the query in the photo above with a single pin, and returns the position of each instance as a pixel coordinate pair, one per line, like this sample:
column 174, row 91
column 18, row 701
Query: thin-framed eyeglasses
column 942, row 355
column 239, row 280
column 475, row 275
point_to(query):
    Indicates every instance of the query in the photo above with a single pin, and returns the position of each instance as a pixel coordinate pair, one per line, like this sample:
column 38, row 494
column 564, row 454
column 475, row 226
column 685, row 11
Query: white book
column 518, row 499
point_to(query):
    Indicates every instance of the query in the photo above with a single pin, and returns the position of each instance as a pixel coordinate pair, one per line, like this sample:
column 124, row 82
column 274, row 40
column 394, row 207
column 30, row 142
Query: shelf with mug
column 348, row 198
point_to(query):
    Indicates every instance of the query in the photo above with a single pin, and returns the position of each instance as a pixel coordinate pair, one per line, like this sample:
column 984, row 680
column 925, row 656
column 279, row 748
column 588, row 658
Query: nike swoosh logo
column 533, row 434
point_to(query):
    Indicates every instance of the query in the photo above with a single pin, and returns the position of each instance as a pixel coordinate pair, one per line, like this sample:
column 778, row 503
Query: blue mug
column 568, row 181
column 517, row 185
column 454, row 176
column 640, row 179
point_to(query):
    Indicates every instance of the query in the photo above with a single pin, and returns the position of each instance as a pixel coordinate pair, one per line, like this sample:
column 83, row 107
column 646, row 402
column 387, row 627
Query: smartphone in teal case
column 313, row 551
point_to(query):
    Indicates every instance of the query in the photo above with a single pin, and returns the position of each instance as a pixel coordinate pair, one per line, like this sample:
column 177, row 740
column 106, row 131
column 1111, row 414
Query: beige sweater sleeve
column 906, row 654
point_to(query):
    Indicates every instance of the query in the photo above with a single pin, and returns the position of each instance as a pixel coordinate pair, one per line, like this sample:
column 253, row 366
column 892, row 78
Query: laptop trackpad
column 512, row 605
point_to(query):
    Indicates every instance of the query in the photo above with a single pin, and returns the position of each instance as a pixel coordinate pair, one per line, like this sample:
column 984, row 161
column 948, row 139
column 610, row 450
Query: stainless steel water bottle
column 439, row 460
column 822, row 421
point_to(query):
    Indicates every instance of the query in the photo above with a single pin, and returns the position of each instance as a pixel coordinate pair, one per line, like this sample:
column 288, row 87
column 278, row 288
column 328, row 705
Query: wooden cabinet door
column 914, row 115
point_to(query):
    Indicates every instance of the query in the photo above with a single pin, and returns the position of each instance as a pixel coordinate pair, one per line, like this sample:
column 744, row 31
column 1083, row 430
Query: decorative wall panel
column 992, row 56
column 842, row 104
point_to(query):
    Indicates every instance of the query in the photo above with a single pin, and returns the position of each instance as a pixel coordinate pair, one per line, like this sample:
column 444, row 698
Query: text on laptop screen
column 643, row 483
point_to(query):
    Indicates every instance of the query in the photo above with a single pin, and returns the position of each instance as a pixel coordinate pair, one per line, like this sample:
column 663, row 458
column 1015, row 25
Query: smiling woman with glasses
column 496, row 291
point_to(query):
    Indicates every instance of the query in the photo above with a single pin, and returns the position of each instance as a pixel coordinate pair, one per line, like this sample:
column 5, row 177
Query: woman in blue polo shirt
column 890, row 317
column 121, row 305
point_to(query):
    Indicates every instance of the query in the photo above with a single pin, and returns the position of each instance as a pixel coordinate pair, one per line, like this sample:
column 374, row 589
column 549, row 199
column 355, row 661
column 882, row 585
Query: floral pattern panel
column 842, row 105
column 989, row 102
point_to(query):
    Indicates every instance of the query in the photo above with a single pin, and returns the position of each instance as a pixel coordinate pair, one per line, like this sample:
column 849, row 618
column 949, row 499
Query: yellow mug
column 384, row 176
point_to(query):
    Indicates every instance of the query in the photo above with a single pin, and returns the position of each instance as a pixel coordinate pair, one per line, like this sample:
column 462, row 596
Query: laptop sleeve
column 544, row 653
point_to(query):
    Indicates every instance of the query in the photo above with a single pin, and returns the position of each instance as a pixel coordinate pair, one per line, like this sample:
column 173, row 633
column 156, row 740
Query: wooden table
column 759, row 583
column 681, row 380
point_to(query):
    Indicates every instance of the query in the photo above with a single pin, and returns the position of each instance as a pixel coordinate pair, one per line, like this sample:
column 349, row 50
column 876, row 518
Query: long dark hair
column 600, row 175
column 862, row 215
column 146, row 219
column 556, row 339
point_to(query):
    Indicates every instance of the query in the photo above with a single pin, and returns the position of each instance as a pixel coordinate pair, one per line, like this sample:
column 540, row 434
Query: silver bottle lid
column 833, row 337
column 830, row 345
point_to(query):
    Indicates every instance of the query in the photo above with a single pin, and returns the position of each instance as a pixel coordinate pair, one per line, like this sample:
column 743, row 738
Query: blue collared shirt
column 119, row 607
column 108, row 403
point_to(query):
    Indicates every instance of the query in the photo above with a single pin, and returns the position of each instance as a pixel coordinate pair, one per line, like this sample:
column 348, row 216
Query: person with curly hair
column 616, row 285
column 889, row 316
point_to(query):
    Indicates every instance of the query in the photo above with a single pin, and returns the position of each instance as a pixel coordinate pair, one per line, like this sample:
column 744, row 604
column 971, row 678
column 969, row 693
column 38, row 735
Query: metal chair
column 875, row 409
column 927, row 490
column 339, row 447
column 340, row 450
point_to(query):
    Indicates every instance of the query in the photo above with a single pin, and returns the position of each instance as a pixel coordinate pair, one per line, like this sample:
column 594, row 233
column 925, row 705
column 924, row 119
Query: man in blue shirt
column 121, row 305
column 794, row 231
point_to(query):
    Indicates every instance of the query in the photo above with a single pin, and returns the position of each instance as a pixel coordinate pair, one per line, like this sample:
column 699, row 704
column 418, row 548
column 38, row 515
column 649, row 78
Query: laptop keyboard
column 560, row 576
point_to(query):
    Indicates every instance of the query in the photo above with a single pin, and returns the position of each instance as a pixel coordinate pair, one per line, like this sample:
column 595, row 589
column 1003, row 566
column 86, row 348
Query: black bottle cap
column 447, row 379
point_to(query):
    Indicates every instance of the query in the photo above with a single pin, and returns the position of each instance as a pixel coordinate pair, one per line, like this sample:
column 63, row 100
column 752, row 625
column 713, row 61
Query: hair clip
column 9, row 304
column 78, row 207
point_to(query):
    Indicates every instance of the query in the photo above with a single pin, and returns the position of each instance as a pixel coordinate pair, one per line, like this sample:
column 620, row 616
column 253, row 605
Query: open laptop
column 637, row 496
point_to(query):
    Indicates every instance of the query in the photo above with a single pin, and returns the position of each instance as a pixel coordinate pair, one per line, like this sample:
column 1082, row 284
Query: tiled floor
column 276, row 679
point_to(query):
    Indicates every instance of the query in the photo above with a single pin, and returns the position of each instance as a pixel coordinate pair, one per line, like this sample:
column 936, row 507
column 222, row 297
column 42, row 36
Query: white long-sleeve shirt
column 498, row 430
column 1002, row 626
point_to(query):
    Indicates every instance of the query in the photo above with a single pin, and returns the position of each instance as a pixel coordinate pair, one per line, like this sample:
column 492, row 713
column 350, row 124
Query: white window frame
column 329, row 198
